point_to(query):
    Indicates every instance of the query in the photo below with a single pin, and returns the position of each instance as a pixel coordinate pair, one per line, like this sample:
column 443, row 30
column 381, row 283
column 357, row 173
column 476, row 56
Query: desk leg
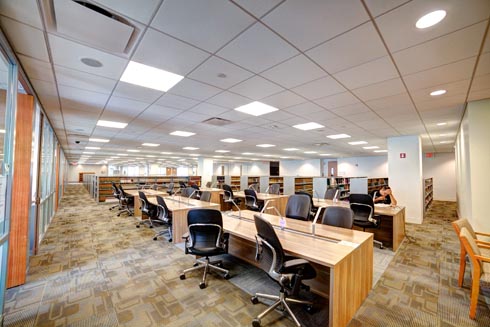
column 398, row 229
column 137, row 207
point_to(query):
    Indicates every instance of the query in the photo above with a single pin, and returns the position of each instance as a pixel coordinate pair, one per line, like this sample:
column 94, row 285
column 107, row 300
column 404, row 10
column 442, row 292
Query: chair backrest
column 250, row 198
column 115, row 191
column 309, row 196
column 205, row 228
column 274, row 189
column 331, row 193
column 254, row 186
column 121, row 190
column 298, row 207
column 182, row 184
column 339, row 217
column 362, row 205
column 163, row 212
column 463, row 222
column 269, row 248
column 195, row 186
column 205, row 196
column 154, row 187
column 470, row 246
column 209, row 184
column 189, row 191
column 170, row 188
column 228, row 192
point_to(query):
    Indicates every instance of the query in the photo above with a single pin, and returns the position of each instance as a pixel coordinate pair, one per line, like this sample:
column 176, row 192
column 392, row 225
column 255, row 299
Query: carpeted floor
column 96, row 269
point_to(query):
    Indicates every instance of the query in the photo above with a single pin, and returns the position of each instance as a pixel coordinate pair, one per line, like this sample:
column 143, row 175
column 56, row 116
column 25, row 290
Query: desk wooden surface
column 396, row 214
column 344, row 270
column 215, row 193
column 278, row 201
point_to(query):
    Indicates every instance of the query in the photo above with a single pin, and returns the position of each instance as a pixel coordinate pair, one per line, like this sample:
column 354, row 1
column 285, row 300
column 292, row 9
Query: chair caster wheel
column 170, row 240
column 182, row 276
column 195, row 264
column 151, row 226
column 309, row 308
column 254, row 300
column 202, row 285
column 137, row 226
column 227, row 276
column 155, row 238
column 256, row 322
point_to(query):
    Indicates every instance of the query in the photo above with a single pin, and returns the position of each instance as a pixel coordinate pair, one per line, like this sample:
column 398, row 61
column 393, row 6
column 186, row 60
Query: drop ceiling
column 355, row 67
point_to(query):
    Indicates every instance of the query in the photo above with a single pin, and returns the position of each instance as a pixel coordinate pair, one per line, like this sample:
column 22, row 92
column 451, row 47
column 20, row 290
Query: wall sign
column 403, row 155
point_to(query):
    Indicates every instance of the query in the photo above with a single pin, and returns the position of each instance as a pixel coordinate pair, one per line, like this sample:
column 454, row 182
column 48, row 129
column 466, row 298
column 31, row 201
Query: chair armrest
column 185, row 236
column 482, row 234
column 482, row 258
column 295, row 263
column 482, row 244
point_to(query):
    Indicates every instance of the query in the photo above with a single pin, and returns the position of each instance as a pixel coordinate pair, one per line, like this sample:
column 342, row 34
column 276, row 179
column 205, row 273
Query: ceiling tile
column 84, row 81
column 353, row 48
column 78, row 98
column 68, row 54
column 160, row 113
column 37, row 69
column 136, row 92
column 401, row 100
column 483, row 65
column 258, row 8
column 283, row 99
column 194, row 90
column 176, row 101
column 25, row 11
column 256, row 88
column 369, row 73
column 377, row 7
column 124, row 106
column 257, row 49
column 480, row 89
column 308, row 23
column 44, row 87
column 209, row 25
column 459, row 87
column 401, row 21
column 162, row 51
column 209, row 109
column 303, row 108
column 380, row 90
column 447, row 49
column 132, row 9
column 210, row 70
column 337, row 100
column 293, row 72
column 229, row 100
column 25, row 39
column 350, row 109
column 319, row 88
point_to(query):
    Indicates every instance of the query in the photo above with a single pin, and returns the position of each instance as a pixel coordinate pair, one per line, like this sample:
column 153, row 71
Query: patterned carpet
column 96, row 269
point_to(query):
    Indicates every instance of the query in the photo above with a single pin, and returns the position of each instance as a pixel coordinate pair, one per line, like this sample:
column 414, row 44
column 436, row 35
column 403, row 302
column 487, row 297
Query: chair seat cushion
column 207, row 251
column 364, row 224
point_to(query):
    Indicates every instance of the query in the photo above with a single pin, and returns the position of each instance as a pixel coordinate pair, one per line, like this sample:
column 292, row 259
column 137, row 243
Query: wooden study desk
column 392, row 229
column 179, row 206
column 278, row 201
column 344, row 269
column 215, row 193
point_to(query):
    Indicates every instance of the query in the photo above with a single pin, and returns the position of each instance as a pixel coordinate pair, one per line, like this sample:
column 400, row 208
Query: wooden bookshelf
column 428, row 193
column 303, row 184
column 342, row 184
column 235, row 183
column 277, row 180
column 253, row 180
column 376, row 183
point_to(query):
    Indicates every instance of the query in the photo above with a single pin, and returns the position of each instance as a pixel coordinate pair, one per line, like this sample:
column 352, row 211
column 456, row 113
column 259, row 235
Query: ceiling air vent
column 93, row 25
column 216, row 121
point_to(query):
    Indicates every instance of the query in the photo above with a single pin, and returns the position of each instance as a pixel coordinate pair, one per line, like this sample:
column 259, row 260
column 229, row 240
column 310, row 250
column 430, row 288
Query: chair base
column 125, row 210
column 282, row 301
column 163, row 232
column 206, row 265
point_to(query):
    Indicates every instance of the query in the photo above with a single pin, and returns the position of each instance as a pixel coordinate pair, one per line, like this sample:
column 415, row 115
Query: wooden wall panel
column 21, row 188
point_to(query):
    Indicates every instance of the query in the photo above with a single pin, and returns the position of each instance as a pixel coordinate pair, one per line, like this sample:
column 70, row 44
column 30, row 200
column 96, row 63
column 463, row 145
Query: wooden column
column 21, row 190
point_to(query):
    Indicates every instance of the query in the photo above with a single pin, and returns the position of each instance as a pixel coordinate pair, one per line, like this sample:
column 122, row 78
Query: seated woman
column 384, row 195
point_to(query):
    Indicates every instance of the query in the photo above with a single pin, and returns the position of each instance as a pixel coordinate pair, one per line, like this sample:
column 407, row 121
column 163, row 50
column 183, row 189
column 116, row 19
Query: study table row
column 343, row 258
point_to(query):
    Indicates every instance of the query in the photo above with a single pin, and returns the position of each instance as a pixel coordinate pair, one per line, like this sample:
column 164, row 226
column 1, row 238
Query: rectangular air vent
column 91, row 26
column 216, row 121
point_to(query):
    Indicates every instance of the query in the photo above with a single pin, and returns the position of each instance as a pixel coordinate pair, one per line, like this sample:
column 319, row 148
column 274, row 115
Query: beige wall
column 441, row 167
column 74, row 170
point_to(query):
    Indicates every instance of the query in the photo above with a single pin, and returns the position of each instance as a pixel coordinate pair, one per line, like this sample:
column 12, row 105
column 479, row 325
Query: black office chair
column 148, row 209
column 331, row 194
column 363, row 207
column 287, row 271
column 209, row 184
column 251, row 201
column 274, row 189
column 127, row 202
column 228, row 195
column 164, row 216
column 339, row 217
column 182, row 184
column 117, row 194
column 298, row 207
column 205, row 196
column 313, row 209
column 170, row 189
column 205, row 239
column 189, row 192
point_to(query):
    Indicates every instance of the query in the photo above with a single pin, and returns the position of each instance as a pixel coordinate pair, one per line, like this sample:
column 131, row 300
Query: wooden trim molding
column 21, row 190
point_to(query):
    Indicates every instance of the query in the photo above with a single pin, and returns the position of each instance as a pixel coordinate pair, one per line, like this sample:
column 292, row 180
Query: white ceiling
column 356, row 67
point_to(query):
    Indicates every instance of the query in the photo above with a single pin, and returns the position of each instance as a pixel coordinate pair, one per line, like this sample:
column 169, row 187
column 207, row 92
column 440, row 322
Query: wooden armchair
column 480, row 265
column 458, row 225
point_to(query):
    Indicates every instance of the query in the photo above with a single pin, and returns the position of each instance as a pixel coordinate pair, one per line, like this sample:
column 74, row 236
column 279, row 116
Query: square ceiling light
column 150, row 144
column 113, row 124
column 150, row 77
column 338, row 136
column 357, row 142
column 98, row 140
column 308, row 126
column 230, row 140
column 265, row 145
column 182, row 133
column 256, row 108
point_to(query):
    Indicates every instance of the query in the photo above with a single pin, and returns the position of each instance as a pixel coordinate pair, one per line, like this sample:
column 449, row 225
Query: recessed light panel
column 247, row 153
column 430, row 19
column 357, row 142
column 265, row 145
column 190, row 148
column 379, row 151
column 310, row 152
column 444, row 142
column 438, row 92
column 325, row 154
column 166, row 152
column 308, row 126
column 131, row 150
column 88, row 152
column 113, row 124
column 441, row 124
column 182, row 133
column 98, row 140
column 338, row 136
column 150, row 144
column 222, row 151
column 122, row 154
column 150, row 77
column 92, row 148
column 290, row 149
column 370, row 147
column 256, row 108
column 230, row 140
